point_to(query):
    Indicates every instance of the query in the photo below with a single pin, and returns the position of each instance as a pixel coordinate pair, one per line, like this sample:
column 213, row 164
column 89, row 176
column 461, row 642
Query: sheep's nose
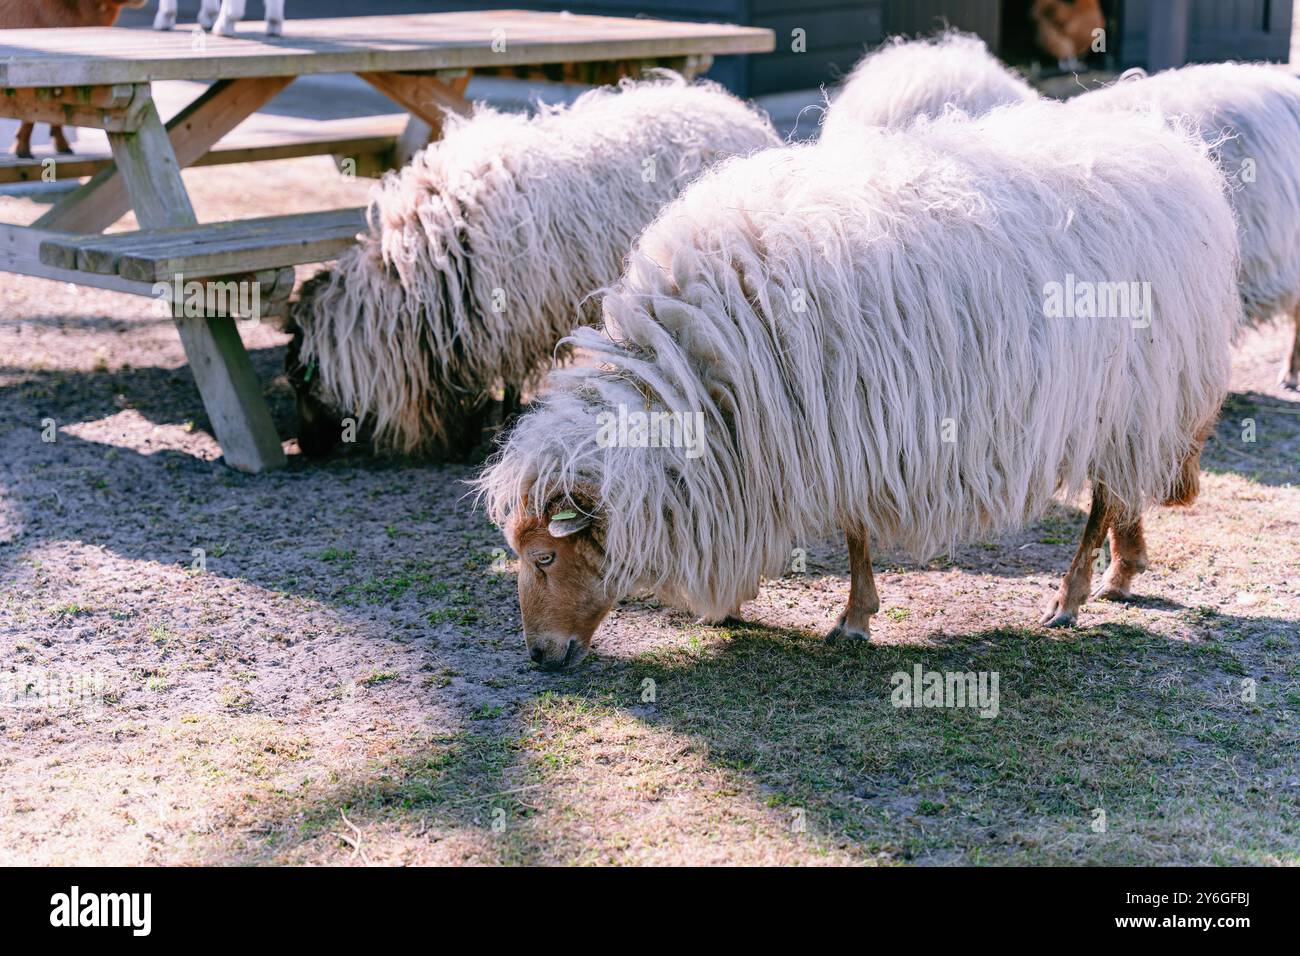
column 536, row 654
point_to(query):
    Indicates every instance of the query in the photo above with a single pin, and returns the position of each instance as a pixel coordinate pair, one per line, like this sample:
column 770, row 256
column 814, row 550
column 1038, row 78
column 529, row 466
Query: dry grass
column 345, row 683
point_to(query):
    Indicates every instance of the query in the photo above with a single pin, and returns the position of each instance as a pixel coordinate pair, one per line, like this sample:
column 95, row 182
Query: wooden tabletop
column 430, row 41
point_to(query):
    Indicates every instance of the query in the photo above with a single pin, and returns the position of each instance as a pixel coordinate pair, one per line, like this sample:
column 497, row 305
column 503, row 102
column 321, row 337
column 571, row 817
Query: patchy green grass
column 1152, row 732
column 780, row 749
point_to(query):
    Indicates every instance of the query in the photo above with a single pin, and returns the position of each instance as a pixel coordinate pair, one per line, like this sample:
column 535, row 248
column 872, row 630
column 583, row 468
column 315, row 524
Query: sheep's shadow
column 1256, row 437
column 1112, row 715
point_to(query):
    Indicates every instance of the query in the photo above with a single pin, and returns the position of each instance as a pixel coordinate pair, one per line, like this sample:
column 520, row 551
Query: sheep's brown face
column 561, row 592
column 320, row 427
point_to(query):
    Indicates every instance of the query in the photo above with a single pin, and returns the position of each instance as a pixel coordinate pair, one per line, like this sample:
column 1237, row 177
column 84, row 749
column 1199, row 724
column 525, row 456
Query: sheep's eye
column 544, row 559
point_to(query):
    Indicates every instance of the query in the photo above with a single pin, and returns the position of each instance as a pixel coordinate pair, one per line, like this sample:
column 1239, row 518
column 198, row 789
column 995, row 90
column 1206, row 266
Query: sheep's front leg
column 23, row 141
column 274, row 17
column 855, row 622
column 166, row 18
column 1290, row 377
column 1077, row 582
column 1128, row 558
column 232, row 11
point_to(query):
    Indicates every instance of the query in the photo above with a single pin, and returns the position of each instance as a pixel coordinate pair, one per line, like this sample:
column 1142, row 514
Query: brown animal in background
column 1065, row 27
column 27, row 14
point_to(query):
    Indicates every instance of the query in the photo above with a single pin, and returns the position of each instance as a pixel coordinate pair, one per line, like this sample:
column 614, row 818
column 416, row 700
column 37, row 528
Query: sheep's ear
column 565, row 523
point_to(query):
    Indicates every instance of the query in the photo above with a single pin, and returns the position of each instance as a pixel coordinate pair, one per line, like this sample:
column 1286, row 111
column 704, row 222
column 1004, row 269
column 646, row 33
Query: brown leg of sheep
column 1188, row 486
column 1290, row 377
column 1128, row 558
column 23, row 141
column 855, row 622
column 1064, row 609
column 61, row 143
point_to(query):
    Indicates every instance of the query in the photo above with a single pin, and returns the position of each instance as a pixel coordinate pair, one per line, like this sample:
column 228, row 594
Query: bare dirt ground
column 345, row 681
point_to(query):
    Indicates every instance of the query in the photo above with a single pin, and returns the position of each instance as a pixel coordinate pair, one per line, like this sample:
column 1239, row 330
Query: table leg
column 425, row 98
column 192, row 132
column 222, row 369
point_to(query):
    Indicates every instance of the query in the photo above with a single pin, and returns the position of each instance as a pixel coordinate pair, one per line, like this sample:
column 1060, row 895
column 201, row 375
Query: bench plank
column 372, row 136
column 214, row 249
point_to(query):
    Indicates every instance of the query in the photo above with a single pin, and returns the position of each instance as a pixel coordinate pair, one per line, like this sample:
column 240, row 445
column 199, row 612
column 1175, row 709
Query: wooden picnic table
column 100, row 77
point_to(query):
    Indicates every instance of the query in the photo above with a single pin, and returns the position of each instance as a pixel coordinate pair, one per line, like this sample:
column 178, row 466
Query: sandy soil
column 343, row 680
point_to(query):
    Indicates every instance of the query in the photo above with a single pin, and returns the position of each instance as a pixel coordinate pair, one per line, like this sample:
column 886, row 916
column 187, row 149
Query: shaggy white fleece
column 903, row 79
column 1250, row 116
column 481, row 251
column 836, row 314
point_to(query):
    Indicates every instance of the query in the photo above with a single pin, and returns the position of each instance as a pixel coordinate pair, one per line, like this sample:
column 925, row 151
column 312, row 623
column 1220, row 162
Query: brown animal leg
column 1128, row 557
column 1064, row 609
column 1188, row 485
column 855, row 622
column 1290, row 377
column 23, row 141
column 60, row 141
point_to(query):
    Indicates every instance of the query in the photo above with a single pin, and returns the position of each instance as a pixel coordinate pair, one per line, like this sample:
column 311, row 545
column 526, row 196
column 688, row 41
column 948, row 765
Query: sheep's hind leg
column 274, row 17
column 855, row 622
column 1290, row 377
column 1064, row 609
column 61, row 143
column 1128, row 558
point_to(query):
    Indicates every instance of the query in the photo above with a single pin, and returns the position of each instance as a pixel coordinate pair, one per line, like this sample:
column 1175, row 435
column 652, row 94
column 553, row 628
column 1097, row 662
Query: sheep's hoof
column 732, row 619
column 224, row 27
column 274, row 27
column 23, row 152
column 1056, row 616
column 1289, row 380
column 840, row 631
column 206, row 18
column 1111, row 592
column 164, row 21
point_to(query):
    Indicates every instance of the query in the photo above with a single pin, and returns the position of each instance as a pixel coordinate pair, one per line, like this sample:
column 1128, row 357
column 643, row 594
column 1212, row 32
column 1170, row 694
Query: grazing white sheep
column 874, row 340
column 480, row 254
column 1250, row 116
column 903, row 79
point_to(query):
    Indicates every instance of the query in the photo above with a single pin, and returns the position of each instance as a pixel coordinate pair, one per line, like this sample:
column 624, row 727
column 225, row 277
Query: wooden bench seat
column 370, row 141
column 208, row 250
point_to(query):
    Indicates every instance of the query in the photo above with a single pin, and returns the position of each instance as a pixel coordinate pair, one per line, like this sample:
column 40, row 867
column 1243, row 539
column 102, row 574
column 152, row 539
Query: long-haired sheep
column 1250, row 116
column 480, row 254
column 903, row 79
column 873, row 341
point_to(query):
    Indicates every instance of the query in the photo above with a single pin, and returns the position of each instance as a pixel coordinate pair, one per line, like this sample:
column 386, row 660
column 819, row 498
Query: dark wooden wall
column 981, row 17
column 836, row 32
column 1216, row 30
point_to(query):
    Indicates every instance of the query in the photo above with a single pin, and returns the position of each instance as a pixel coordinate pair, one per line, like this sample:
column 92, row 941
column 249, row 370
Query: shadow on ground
column 1153, row 732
